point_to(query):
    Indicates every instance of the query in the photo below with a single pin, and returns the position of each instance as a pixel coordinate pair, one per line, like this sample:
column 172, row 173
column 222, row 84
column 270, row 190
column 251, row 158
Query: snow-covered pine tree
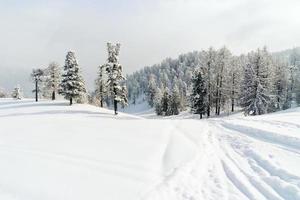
column 208, row 62
column 256, row 84
column 3, row 93
column 234, row 79
column 221, row 69
column 294, row 80
column 123, row 95
column 279, row 85
column 114, row 76
column 17, row 93
column 157, row 102
column 53, row 79
column 165, row 102
column 199, row 94
column 72, row 86
column 175, row 104
column 100, row 86
column 151, row 90
column 37, row 77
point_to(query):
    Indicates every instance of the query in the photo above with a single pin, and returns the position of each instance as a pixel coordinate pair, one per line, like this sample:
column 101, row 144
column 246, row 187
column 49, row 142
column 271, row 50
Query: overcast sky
column 35, row 32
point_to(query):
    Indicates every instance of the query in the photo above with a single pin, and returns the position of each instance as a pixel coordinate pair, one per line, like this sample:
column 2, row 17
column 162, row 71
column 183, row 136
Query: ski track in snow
column 230, row 165
column 234, row 158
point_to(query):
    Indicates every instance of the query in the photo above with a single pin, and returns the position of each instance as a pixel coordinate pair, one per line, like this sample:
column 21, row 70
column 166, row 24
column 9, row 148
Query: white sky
column 35, row 32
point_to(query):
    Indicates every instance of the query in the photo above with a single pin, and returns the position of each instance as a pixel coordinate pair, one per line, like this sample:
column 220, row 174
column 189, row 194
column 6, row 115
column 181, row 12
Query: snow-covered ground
column 49, row 150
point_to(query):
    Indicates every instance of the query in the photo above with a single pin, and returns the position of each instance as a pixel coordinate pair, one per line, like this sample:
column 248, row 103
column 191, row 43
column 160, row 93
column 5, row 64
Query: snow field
column 49, row 150
column 54, row 151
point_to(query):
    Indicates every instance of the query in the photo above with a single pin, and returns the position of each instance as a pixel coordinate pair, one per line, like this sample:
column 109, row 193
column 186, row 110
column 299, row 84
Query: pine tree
column 151, row 90
column 115, row 77
column 17, row 93
column 208, row 64
column 157, row 102
column 72, row 85
column 37, row 77
column 234, row 79
column 221, row 68
column 3, row 93
column 123, row 96
column 256, row 84
column 279, row 85
column 165, row 102
column 53, row 78
column 175, row 103
column 294, row 68
column 199, row 94
column 100, row 86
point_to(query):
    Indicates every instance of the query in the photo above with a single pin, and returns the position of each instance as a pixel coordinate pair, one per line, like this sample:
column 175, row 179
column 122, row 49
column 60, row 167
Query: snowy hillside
column 52, row 151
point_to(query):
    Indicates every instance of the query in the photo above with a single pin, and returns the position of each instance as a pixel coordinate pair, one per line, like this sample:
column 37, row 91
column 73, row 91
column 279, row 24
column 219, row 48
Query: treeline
column 214, row 81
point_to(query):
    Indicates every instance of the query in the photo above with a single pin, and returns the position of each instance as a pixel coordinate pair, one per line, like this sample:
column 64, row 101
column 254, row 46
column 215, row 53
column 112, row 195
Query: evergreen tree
column 256, row 84
column 279, row 86
column 17, row 93
column 175, row 101
column 165, row 102
column 53, row 79
column 199, row 94
column 222, row 66
column 72, row 86
column 3, row 93
column 123, row 96
column 37, row 77
column 295, row 77
column 100, row 86
column 233, row 81
column 157, row 102
column 115, row 77
column 151, row 90
column 208, row 64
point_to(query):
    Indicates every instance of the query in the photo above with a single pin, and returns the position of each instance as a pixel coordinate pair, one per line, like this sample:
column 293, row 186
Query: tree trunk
column 116, row 107
column 71, row 101
column 217, row 95
column 208, row 106
column 200, row 115
column 208, row 111
column 209, row 92
column 232, row 93
column 216, row 109
column 101, row 103
column 219, row 103
column 36, row 91
column 53, row 95
column 220, row 90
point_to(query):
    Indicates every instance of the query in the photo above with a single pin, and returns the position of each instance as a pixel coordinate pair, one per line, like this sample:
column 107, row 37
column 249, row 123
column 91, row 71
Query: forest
column 213, row 81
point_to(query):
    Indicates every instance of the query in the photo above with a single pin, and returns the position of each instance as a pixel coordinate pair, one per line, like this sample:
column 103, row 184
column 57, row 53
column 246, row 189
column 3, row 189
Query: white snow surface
column 52, row 151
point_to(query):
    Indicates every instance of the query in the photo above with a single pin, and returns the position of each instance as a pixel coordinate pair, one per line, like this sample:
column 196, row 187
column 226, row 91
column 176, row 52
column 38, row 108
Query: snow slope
column 49, row 150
